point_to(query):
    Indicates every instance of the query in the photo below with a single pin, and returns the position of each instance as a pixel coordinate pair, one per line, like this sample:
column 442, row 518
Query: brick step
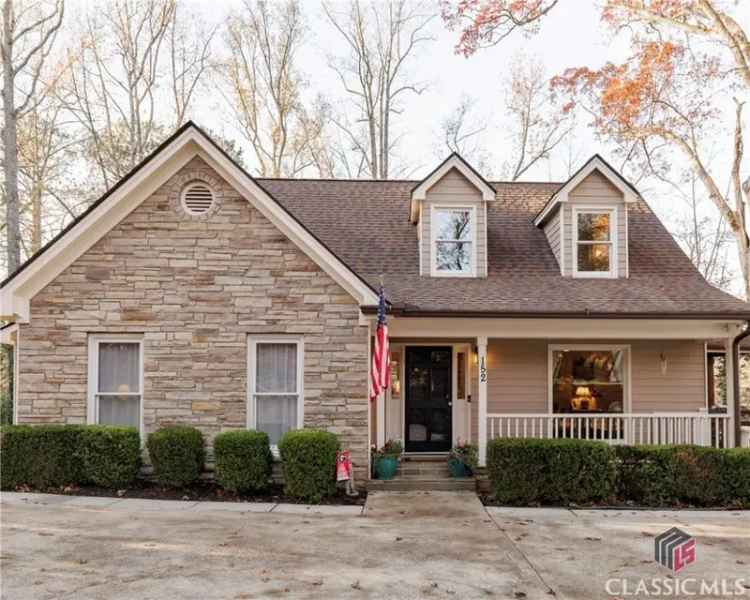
column 437, row 468
column 424, row 458
column 414, row 485
column 424, row 475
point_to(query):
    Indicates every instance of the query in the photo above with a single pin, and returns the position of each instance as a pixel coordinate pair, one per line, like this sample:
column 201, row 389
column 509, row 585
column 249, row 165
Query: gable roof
column 355, row 230
column 106, row 212
column 362, row 221
column 454, row 161
column 595, row 163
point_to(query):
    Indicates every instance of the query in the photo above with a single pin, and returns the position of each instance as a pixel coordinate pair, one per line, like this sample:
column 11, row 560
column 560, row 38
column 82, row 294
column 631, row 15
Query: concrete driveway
column 428, row 545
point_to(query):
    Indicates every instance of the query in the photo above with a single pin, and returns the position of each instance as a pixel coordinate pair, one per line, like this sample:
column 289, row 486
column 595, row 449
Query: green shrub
column 308, row 460
column 667, row 475
column 737, row 476
column 6, row 408
column 177, row 455
column 645, row 475
column 42, row 456
column 698, row 475
column 243, row 460
column 559, row 471
column 111, row 455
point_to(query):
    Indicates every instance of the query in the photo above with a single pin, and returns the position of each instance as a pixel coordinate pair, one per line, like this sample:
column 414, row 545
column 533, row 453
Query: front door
column 429, row 395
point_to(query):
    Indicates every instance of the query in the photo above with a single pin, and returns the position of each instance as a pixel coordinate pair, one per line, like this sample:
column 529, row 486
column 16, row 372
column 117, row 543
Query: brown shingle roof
column 365, row 223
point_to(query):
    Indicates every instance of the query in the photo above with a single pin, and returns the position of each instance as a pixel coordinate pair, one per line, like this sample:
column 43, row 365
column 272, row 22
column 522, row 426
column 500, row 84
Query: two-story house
column 194, row 293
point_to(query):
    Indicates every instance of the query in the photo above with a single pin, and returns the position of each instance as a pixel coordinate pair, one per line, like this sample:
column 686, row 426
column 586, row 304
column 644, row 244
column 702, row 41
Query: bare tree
column 538, row 123
column 47, row 154
column 706, row 238
column 264, row 85
column 382, row 40
column 462, row 132
column 114, row 80
column 189, row 53
column 27, row 39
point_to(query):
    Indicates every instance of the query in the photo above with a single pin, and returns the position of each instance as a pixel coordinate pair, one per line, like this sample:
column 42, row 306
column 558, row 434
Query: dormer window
column 453, row 240
column 595, row 248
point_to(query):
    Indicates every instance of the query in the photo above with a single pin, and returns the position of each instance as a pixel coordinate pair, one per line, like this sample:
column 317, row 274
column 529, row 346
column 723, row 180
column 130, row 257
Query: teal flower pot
column 457, row 468
column 385, row 467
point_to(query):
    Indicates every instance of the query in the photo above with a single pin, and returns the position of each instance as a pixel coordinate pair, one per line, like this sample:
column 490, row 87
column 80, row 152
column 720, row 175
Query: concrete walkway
column 136, row 504
column 406, row 545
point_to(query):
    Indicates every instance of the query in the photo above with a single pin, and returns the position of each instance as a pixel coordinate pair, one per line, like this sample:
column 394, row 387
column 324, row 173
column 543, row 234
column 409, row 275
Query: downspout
column 736, row 377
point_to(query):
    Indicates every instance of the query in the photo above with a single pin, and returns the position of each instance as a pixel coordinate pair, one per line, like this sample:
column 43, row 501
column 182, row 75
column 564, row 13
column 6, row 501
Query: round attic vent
column 197, row 198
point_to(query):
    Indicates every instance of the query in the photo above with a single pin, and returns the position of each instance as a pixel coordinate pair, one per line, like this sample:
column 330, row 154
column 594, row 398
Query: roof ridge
column 404, row 181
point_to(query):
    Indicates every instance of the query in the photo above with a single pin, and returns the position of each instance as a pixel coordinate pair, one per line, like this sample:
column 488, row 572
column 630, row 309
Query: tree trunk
column 10, row 143
column 36, row 217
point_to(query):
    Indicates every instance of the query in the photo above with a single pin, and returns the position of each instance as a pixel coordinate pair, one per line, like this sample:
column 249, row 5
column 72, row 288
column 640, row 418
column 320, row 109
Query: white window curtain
column 119, row 383
column 276, row 395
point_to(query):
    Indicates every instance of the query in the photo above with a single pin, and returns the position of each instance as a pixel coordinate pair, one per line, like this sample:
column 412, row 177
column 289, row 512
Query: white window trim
column 434, row 209
column 627, row 408
column 92, row 406
column 252, row 360
column 613, row 240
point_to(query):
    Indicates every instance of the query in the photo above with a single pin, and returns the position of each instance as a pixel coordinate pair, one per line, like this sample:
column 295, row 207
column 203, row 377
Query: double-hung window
column 116, row 380
column 276, row 366
column 595, row 251
column 453, row 241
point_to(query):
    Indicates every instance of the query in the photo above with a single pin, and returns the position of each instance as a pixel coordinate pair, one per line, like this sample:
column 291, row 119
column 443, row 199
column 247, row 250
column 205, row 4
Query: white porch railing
column 698, row 428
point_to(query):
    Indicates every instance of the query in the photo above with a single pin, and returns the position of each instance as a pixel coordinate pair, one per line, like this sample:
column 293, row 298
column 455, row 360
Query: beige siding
column 552, row 231
column 599, row 191
column 518, row 375
column 683, row 385
column 453, row 189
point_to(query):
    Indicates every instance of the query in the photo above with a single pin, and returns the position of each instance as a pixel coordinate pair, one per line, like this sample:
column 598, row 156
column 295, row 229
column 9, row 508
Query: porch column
column 729, row 374
column 482, row 356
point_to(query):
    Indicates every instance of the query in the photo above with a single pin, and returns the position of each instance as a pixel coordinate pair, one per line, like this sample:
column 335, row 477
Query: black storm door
column 429, row 394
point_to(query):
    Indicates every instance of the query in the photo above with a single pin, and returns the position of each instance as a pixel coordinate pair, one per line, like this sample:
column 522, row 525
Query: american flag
column 380, row 377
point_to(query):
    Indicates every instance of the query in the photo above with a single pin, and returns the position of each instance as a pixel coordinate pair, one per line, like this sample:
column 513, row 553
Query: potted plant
column 386, row 459
column 463, row 459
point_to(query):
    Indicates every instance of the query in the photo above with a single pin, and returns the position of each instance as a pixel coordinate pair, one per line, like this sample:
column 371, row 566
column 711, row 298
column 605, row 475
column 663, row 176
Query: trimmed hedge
column 243, row 460
column 177, row 455
column 564, row 471
column 111, row 455
column 53, row 456
column 667, row 475
column 42, row 456
column 308, row 459
column 737, row 475
column 560, row 471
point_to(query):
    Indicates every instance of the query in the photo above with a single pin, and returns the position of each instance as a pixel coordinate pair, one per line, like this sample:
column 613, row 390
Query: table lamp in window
column 584, row 399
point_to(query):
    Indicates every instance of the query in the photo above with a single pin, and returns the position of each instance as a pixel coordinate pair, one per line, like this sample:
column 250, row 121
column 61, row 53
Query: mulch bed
column 202, row 490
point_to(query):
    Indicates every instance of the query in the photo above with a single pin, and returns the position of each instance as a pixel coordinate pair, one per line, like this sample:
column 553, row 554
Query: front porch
column 617, row 380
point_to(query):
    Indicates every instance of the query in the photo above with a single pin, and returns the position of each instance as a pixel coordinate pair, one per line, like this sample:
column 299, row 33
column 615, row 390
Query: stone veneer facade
column 196, row 287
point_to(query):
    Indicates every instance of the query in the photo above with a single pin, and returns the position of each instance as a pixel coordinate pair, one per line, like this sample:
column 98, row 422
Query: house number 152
column 482, row 371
